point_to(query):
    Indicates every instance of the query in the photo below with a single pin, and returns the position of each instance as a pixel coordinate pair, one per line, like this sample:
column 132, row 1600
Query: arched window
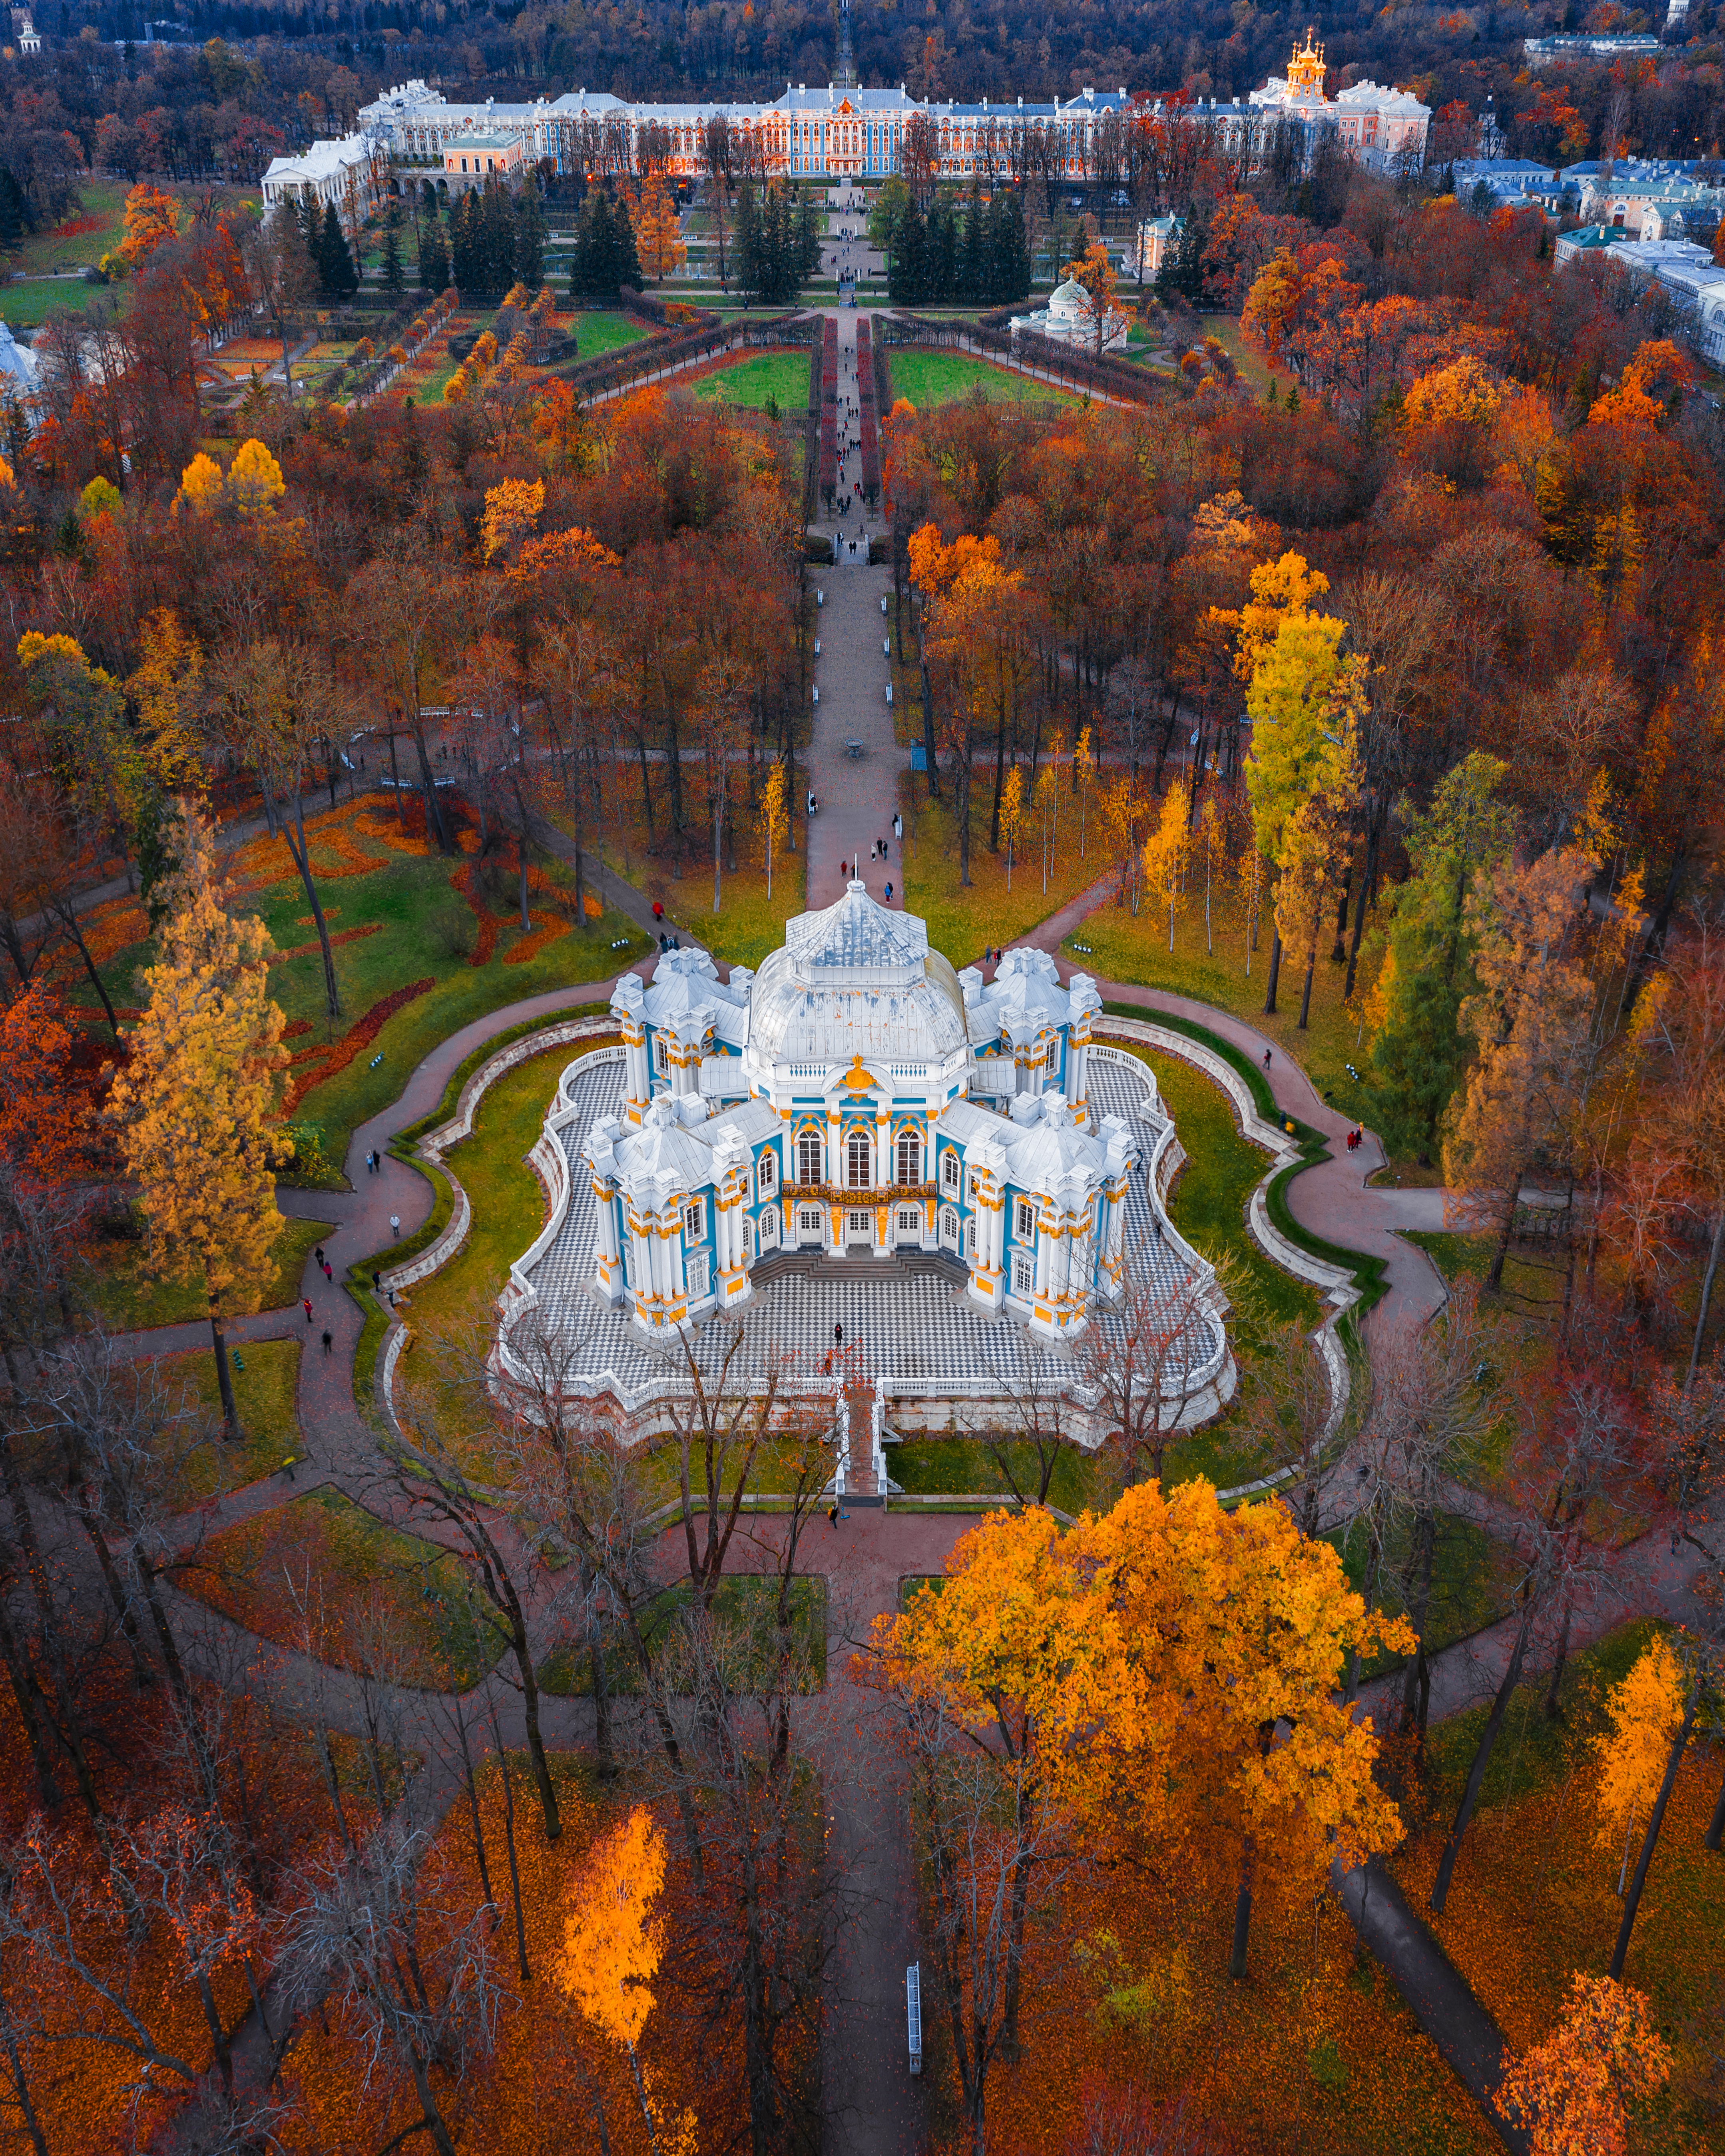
column 910, row 1158
column 809, row 1152
column 859, row 1159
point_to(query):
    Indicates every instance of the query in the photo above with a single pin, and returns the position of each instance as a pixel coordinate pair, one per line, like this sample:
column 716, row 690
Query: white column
column 1045, row 1260
column 836, row 1150
column 883, row 1148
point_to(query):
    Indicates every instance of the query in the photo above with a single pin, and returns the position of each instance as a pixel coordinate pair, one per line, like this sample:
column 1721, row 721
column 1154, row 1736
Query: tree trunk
column 224, row 1377
column 33, row 1707
column 1305, row 994
column 21, row 2090
column 1716, row 1827
column 515, row 1870
column 302, row 862
column 479, row 1833
column 1633, row 1900
column 1242, row 1913
column 69, row 915
column 1481, row 1758
column 1707, row 1297
column 1559, row 1661
column 434, row 2126
column 1359, row 907
column 1275, row 970
column 1419, row 1602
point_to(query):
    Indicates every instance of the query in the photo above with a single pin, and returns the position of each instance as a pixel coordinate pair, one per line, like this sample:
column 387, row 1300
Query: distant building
column 1156, row 238
column 345, row 173
column 1686, row 271
column 1511, row 181
column 20, row 372
column 1067, row 320
column 471, row 160
column 1555, row 51
column 835, row 129
column 1376, row 123
column 23, row 32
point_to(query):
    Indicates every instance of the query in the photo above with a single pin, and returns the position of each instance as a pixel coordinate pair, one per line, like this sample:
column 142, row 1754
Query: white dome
column 855, row 979
column 1068, row 299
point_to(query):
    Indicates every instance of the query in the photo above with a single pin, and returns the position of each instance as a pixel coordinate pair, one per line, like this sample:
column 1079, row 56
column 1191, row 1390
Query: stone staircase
column 861, row 1484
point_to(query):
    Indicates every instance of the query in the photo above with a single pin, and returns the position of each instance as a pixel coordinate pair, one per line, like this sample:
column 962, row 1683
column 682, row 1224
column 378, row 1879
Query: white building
column 1584, row 46
column 346, row 173
column 1688, row 272
column 831, row 130
column 1155, row 241
column 20, row 373
column 1067, row 320
column 857, row 1095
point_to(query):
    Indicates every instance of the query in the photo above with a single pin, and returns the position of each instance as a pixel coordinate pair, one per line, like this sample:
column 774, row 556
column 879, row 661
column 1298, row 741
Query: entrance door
column 859, row 1228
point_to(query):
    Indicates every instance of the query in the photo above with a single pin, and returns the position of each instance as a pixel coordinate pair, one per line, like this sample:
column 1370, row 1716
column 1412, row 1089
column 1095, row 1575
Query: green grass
column 963, row 918
column 1112, row 943
column 749, row 923
column 266, row 1373
column 928, row 378
column 781, row 376
column 39, row 253
column 27, row 305
column 964, row 1467
column 369, row 1584
column 599, row 332
column 128, row 1301
column 745, row 1600
column 1473, row 1579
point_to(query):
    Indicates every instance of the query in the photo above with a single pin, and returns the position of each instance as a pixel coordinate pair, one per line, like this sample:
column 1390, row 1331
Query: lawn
column 745, row 1600
column 1473, row 1578
column 781, row 376
column 323, row 1575
column 928, row 378
column 748, row 924
column 963, row 919
column 1113, row 945
column 400, row 919
column 266, row 1373
column 964, row 1467
column 102, row 211
column 128, row 1299
column 596, row 332
column 28, row 304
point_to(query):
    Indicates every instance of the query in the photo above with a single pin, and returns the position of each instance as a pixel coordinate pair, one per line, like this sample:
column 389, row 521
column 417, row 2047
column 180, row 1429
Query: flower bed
column 347, row 936
column 551, row 927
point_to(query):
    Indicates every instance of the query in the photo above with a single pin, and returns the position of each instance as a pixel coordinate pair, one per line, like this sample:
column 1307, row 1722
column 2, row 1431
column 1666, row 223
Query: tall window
column 950, row 1170
column 765, row 1173
column 1026, row 1221
column 910, row 1158
column 691, row 1222
column 809, row 1152
column 1022, row 1275
column 858, row 1161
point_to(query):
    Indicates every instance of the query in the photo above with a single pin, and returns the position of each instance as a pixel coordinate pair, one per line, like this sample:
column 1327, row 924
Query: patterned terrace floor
column 913, row 1335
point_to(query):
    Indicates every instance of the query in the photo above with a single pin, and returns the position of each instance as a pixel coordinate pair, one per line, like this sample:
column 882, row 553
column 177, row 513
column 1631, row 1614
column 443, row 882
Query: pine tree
column 496, row 219
column 529, row 262
column 434, row 257
column 466, row 248
column 972, row 254
column 393, row 277
column 335, row 259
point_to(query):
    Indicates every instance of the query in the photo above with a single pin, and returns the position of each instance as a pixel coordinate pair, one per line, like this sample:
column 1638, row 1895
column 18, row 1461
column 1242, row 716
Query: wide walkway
column 853, row 760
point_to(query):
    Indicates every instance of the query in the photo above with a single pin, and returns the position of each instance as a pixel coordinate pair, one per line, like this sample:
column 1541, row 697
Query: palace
column 857, row 1095
column 957, row 1179
column 833, row 131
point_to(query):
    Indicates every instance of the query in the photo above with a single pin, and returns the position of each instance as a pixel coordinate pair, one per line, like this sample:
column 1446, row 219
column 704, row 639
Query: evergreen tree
column 335, row 258
column 624, row 254
column 808, row 244
column 497, row 238
column 309, row 221
column 434, row 257
column 467, row 246
column 973, row 280
column 1181, row 272
column 605, row 258
column 1419, row 1050
column 1008, row 249
column 529, row 262
column 907, row 283
column 746, row 240
column 14, row 210
column 393, row 277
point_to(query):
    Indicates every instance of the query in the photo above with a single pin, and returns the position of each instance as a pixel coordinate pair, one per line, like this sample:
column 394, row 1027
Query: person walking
column 1266, row 1059
column 305, row 1305
column 889, row 893
column 395, row 1227
column 318, row 1253
column 329, row 1340
column 377, row 1281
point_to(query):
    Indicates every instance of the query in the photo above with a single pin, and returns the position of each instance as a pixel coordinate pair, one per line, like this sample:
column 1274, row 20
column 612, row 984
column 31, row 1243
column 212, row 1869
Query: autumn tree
column 277, row 705
column 613, row 1942
column 1166, row 852
column 1095, row 279
column 196, row 1101
column 1139, row 1359
column 1530, row 1017
column 1569, row 2094
column 152, row 218
column 772, row 821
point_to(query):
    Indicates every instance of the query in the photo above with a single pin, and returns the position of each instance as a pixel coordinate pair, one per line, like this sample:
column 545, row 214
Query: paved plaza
column 913, row 1332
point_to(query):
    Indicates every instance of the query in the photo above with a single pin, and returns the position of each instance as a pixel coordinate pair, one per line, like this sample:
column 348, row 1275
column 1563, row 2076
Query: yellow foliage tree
column 1092, row 274
column 165, row 691
column 612, row 1944
column 1212, row 845
column 200, row 485
column 254, row 480
column 1166, row 849
column 151, row 217
column 513, row 508
column 1084, row 779
column 771, row 822
column 196, row 1100
column 1012, row 815
column 1645, row 1710
column 659, row 235
column 1281, row 591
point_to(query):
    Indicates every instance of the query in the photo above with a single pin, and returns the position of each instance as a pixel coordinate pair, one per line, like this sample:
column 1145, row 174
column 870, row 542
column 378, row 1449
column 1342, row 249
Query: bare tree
column 379, row 1931
column 1143, row 1359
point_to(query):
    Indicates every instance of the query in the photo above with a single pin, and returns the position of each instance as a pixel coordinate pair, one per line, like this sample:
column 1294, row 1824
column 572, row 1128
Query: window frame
column 859, row 1147
column 695, row 1212
column 809, row 1145
column 767, row 1174
column 1024, row 1275
column 1023, row 1217
column 910, row 1145
column 954, row 1171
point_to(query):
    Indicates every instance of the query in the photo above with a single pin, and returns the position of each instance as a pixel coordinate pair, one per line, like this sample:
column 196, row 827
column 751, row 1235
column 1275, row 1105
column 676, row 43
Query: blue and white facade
column 857, row 1098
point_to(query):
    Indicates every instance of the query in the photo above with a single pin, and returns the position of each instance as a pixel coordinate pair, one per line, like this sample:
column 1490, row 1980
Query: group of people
column 1356, row 1137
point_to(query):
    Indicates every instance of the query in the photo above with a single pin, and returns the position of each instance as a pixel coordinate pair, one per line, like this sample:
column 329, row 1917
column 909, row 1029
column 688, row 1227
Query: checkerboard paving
column 913, row 1333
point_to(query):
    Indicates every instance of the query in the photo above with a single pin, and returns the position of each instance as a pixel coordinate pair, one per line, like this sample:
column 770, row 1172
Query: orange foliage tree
column 1571, row 2092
